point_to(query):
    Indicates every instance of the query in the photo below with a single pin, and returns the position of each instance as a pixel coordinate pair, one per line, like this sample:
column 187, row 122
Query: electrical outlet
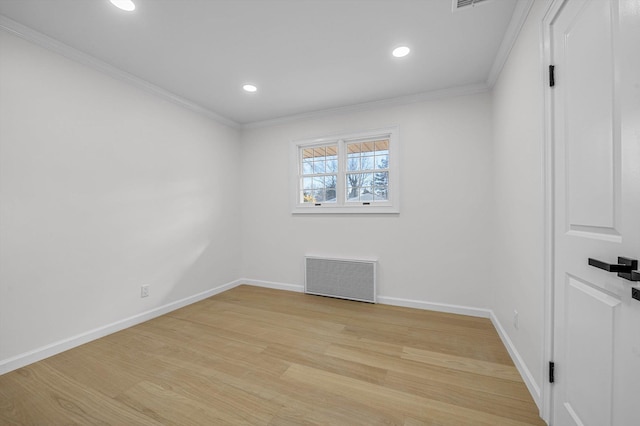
column 515, row 319
column 144, row 291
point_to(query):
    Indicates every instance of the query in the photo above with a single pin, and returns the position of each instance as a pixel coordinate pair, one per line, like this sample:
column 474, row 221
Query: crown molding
column 69, row 52
column 450, row 92
column 518, row 18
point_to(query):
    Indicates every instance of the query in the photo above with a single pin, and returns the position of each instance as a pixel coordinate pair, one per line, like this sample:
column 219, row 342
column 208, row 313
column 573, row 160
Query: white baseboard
column 298, row 288
column 438, row 307
column 43, row 352
column 385, row 300
column 528, row 378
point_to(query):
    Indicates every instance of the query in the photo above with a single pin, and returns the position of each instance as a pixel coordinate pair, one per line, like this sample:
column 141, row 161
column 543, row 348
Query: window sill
column 346, row 210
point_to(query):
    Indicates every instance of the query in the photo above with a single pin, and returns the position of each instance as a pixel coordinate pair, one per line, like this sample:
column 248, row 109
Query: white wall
column 518, row 273
column 436, row 250
column 104, row 188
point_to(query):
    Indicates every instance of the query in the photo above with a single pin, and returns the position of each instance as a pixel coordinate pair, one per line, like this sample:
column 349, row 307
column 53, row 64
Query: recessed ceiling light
column 401, row 51
column 124, row 5
column 249, row 88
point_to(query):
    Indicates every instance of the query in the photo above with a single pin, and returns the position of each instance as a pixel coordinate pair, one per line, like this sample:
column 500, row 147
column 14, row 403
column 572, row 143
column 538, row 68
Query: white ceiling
column 304, row 55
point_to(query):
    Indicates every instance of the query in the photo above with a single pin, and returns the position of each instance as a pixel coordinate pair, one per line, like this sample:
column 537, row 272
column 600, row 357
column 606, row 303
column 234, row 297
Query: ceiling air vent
column 463, row 4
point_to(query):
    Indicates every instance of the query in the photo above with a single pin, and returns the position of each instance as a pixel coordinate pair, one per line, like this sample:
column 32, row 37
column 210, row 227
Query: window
column 354, row 173
column 368, row 171
column 319, row 174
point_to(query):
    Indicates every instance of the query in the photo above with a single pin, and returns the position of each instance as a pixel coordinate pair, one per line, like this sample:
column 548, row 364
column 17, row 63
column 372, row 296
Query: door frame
column 548, row 19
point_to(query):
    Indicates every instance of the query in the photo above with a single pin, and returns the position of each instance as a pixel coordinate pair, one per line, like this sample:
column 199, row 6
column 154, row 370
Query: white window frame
column 341, row 206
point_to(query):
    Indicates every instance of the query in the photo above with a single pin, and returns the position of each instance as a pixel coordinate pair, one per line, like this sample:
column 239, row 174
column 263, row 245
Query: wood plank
column 60, row 400
column 454, row 393
column 393, row 401
column 460, row 363
column 267, row 357
column 498, row 386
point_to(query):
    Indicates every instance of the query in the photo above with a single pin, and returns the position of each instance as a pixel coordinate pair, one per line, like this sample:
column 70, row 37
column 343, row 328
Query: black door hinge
column 552, row 367
column 552, row 75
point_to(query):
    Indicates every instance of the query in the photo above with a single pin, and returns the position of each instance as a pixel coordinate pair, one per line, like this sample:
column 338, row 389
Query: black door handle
column 624, row 265
column 626, row 268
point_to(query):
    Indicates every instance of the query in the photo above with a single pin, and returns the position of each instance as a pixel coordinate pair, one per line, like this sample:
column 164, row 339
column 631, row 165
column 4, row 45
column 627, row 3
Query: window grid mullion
column 341, row 186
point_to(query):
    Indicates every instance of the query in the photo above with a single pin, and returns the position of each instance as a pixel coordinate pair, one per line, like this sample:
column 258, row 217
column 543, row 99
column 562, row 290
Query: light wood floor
column 266, row 357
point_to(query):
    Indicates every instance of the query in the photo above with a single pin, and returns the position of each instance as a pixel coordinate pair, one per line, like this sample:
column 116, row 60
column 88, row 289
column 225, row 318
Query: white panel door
column 595, row 47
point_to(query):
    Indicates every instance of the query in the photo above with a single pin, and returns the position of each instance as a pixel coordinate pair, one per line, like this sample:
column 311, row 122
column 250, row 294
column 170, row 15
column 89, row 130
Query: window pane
column 331, row 195
column 382, row 161
column 319, row 160
column 331, row 181
column 307, row 197
column 368, row 147
column 318, row 166
column 382, row 146
column 367, row 187
column 353, row 184
column 381, row 179
column 307, row 167
column 366, row 193
column 371, row 155
column 380, row 194
column 359, row 186
column 353, row 163
column 307, row 183
column 318, row 183
column 367, row 163
column 332, row 164
column 354, row 179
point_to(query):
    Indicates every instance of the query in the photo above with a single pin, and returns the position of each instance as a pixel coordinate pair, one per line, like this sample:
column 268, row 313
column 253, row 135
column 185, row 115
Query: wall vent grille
column 463, row 4
column 342, row 278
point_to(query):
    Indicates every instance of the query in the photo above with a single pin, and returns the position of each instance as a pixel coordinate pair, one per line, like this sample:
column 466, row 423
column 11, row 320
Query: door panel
column 590, row 318
column 596, row 158
column 590, row 125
